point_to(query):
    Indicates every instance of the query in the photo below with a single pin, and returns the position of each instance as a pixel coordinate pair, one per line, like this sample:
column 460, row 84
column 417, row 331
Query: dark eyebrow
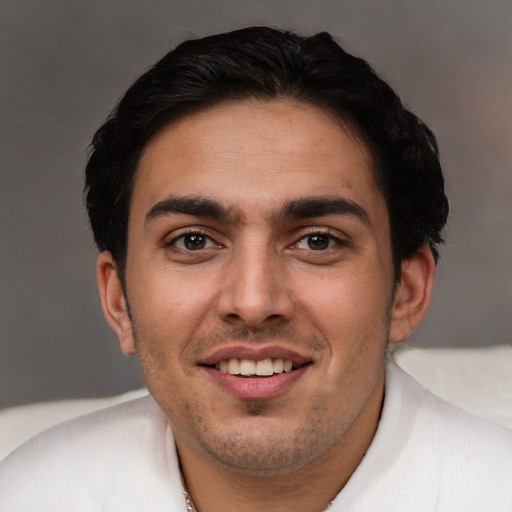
column 196, row 206
column 310, row 207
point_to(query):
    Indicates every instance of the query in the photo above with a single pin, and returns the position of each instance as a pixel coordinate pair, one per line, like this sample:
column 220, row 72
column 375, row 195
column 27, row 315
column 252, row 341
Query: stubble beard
column 258, row 447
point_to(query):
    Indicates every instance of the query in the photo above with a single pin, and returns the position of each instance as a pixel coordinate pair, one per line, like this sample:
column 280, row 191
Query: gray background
column 64, row 63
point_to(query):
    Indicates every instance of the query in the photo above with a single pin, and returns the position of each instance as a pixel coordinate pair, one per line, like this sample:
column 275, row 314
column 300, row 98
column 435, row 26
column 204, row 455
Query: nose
column 253, row 290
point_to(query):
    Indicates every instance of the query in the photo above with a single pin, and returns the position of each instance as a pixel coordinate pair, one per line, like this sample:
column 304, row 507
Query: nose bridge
column 253, row 289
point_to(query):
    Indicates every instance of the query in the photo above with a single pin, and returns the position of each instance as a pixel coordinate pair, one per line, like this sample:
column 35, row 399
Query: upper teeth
column 247, row 367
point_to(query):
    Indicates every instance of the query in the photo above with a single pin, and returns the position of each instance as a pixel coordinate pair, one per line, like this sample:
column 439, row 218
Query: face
column 260, row 283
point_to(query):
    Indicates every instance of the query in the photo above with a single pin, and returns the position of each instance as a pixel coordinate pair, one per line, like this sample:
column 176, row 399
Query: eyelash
column 322, row 233
column 317, row 232
column 190, row 233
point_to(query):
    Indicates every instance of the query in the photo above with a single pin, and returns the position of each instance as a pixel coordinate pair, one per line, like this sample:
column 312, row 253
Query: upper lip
column 255, row 354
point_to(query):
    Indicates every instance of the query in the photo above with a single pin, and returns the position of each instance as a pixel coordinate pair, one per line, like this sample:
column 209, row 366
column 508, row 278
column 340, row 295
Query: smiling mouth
column 250, row 368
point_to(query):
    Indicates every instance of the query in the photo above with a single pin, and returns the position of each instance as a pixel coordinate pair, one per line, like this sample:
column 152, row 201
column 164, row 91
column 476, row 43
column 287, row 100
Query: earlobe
column 113, row 301
column 412, row 294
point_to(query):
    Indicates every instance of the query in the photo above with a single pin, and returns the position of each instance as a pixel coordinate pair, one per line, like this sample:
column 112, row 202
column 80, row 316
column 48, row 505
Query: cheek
column 345, row 301
column 352, row 315
column 172, row 299
column 167, row 314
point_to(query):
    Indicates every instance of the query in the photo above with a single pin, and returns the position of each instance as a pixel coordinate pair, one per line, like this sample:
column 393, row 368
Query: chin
column 263, row 447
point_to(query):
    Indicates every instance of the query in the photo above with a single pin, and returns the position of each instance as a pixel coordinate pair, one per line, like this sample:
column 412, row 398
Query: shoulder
column 102, row 425
column 461, row 461
column 429, row 455
column 86, row 459
column 424, row 412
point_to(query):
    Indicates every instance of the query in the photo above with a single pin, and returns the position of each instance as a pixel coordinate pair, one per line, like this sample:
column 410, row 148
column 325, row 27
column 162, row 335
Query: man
column 267, row 214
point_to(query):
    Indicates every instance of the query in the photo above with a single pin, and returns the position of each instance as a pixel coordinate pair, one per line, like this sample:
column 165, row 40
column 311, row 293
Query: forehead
column 253, row 154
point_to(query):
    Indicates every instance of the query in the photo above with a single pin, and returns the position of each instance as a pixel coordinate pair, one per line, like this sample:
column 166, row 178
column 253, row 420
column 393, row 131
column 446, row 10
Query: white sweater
column 426, row 456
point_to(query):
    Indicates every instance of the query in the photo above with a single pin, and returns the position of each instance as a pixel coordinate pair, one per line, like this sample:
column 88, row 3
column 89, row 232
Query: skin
column 258, row 280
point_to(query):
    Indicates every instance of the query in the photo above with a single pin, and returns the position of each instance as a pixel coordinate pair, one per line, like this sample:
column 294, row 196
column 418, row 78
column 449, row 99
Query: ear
column 412, row 294
column 113, row 302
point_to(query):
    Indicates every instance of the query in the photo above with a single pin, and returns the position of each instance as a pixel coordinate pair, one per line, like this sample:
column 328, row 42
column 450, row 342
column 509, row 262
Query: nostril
column 253, row 304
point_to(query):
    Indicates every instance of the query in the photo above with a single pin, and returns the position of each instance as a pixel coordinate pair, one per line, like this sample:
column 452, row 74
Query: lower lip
column 256, row 388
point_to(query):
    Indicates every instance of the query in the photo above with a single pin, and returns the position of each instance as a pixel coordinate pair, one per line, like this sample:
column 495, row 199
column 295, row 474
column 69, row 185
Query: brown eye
column 192, row 242
column 318, row 242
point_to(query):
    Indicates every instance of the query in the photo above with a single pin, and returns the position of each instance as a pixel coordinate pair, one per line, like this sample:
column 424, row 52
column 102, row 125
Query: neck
column 309, row 488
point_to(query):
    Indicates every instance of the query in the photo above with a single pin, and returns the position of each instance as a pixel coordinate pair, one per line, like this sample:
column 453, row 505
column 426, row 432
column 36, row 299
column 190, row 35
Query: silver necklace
column 191, row 508
column 188, row 501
